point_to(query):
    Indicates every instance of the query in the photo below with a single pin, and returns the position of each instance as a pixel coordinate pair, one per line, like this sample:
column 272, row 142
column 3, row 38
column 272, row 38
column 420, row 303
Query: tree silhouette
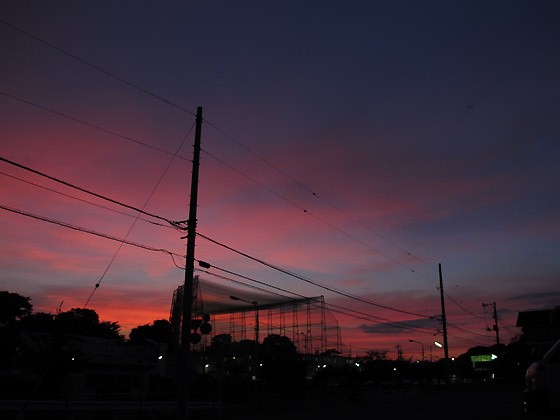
column 159, row 331
column 13, row 307
column 278, row 347
column 281, row 367
column 80, row 321
column 221, row 343
column 38, row 321
column 377, row 354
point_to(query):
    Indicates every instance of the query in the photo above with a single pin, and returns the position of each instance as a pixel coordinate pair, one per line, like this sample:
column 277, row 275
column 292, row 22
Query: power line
column 260, row 184
column 121, row 79
column 320, row 219
column 96, row 67
column 84, row 201
column 88, row 124
column 282, row 270
column 128, row 242
column 466, row 340
column 309, row 190
column 333, row 307
column 344, row 310
column 369, row 316
column 340, row 309
column 462, row 307
column 85, row 230
column 175, row 224
column 467, row 331
column 137, row 217
column 225, row 134
column 330, row 289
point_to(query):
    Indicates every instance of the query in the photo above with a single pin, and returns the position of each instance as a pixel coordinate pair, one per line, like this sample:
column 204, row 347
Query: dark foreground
column 480, row 401
column 457, row 402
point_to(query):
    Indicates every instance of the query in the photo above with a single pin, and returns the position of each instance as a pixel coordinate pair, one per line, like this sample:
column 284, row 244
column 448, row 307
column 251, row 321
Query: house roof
column 533, row 319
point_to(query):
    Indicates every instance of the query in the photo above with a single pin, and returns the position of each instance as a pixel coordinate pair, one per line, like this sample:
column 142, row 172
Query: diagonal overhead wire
column 89, row 124
column 68, row 184
column 330, row 289
column 218, row 129
column 158, row 182
column 96, row 67
column 85, row 230
column 83, row 201
column 338, row 308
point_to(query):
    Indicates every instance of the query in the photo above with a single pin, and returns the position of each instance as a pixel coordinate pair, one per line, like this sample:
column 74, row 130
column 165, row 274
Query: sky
column 355, row 144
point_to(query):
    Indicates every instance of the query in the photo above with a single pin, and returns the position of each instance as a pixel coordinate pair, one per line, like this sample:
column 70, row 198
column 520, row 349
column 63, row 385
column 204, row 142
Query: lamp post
column 431, row 347
column 422, row 344
column 255, row 304
column 305, row 336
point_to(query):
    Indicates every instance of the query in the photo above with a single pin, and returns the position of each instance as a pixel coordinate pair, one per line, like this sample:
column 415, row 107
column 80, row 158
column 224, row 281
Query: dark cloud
column 401, row 327
column 537, row 296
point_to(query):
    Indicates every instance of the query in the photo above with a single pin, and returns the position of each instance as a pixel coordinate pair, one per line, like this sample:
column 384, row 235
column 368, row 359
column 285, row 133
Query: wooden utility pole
column 186, row 324
column 495, row 327
column 443, row 318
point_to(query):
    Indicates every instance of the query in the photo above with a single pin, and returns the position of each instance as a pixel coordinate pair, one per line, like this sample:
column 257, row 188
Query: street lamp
column 437, row 344
column 422, row 344
column 255, row 304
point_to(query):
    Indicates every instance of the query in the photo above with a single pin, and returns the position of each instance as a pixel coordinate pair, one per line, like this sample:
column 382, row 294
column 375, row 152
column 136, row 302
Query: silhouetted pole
column 422, row 344
column 256, row 322
column 495, row 327
column 399, row 352
column 256, row 306
column 443, row 321
column 184, row 377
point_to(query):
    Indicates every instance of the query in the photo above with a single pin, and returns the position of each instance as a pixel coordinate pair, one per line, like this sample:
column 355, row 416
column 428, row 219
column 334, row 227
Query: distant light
column 324, row 366
column 73, row 358
column 494, row 357
column 206, row 366
column 438, row 344
column 357, row 364
column 260, row 364
column 395, row 369
column 452, row 358
column 160, row 357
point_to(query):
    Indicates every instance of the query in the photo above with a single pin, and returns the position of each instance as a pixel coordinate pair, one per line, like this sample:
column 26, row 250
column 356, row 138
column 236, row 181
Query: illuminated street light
column 431, row 346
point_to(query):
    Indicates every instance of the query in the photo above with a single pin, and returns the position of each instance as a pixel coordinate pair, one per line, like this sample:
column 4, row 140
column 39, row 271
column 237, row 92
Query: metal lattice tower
column 303, row 320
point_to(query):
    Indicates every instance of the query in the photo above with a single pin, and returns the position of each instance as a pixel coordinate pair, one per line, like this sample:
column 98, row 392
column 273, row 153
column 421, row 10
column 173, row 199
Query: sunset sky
column 355, row 144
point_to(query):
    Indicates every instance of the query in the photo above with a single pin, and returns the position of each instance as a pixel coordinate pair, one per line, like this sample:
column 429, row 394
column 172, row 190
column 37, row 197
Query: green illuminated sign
column 483, row 358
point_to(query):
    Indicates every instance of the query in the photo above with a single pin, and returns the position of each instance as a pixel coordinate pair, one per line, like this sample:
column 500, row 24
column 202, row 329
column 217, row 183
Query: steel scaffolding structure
column 305, row 321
